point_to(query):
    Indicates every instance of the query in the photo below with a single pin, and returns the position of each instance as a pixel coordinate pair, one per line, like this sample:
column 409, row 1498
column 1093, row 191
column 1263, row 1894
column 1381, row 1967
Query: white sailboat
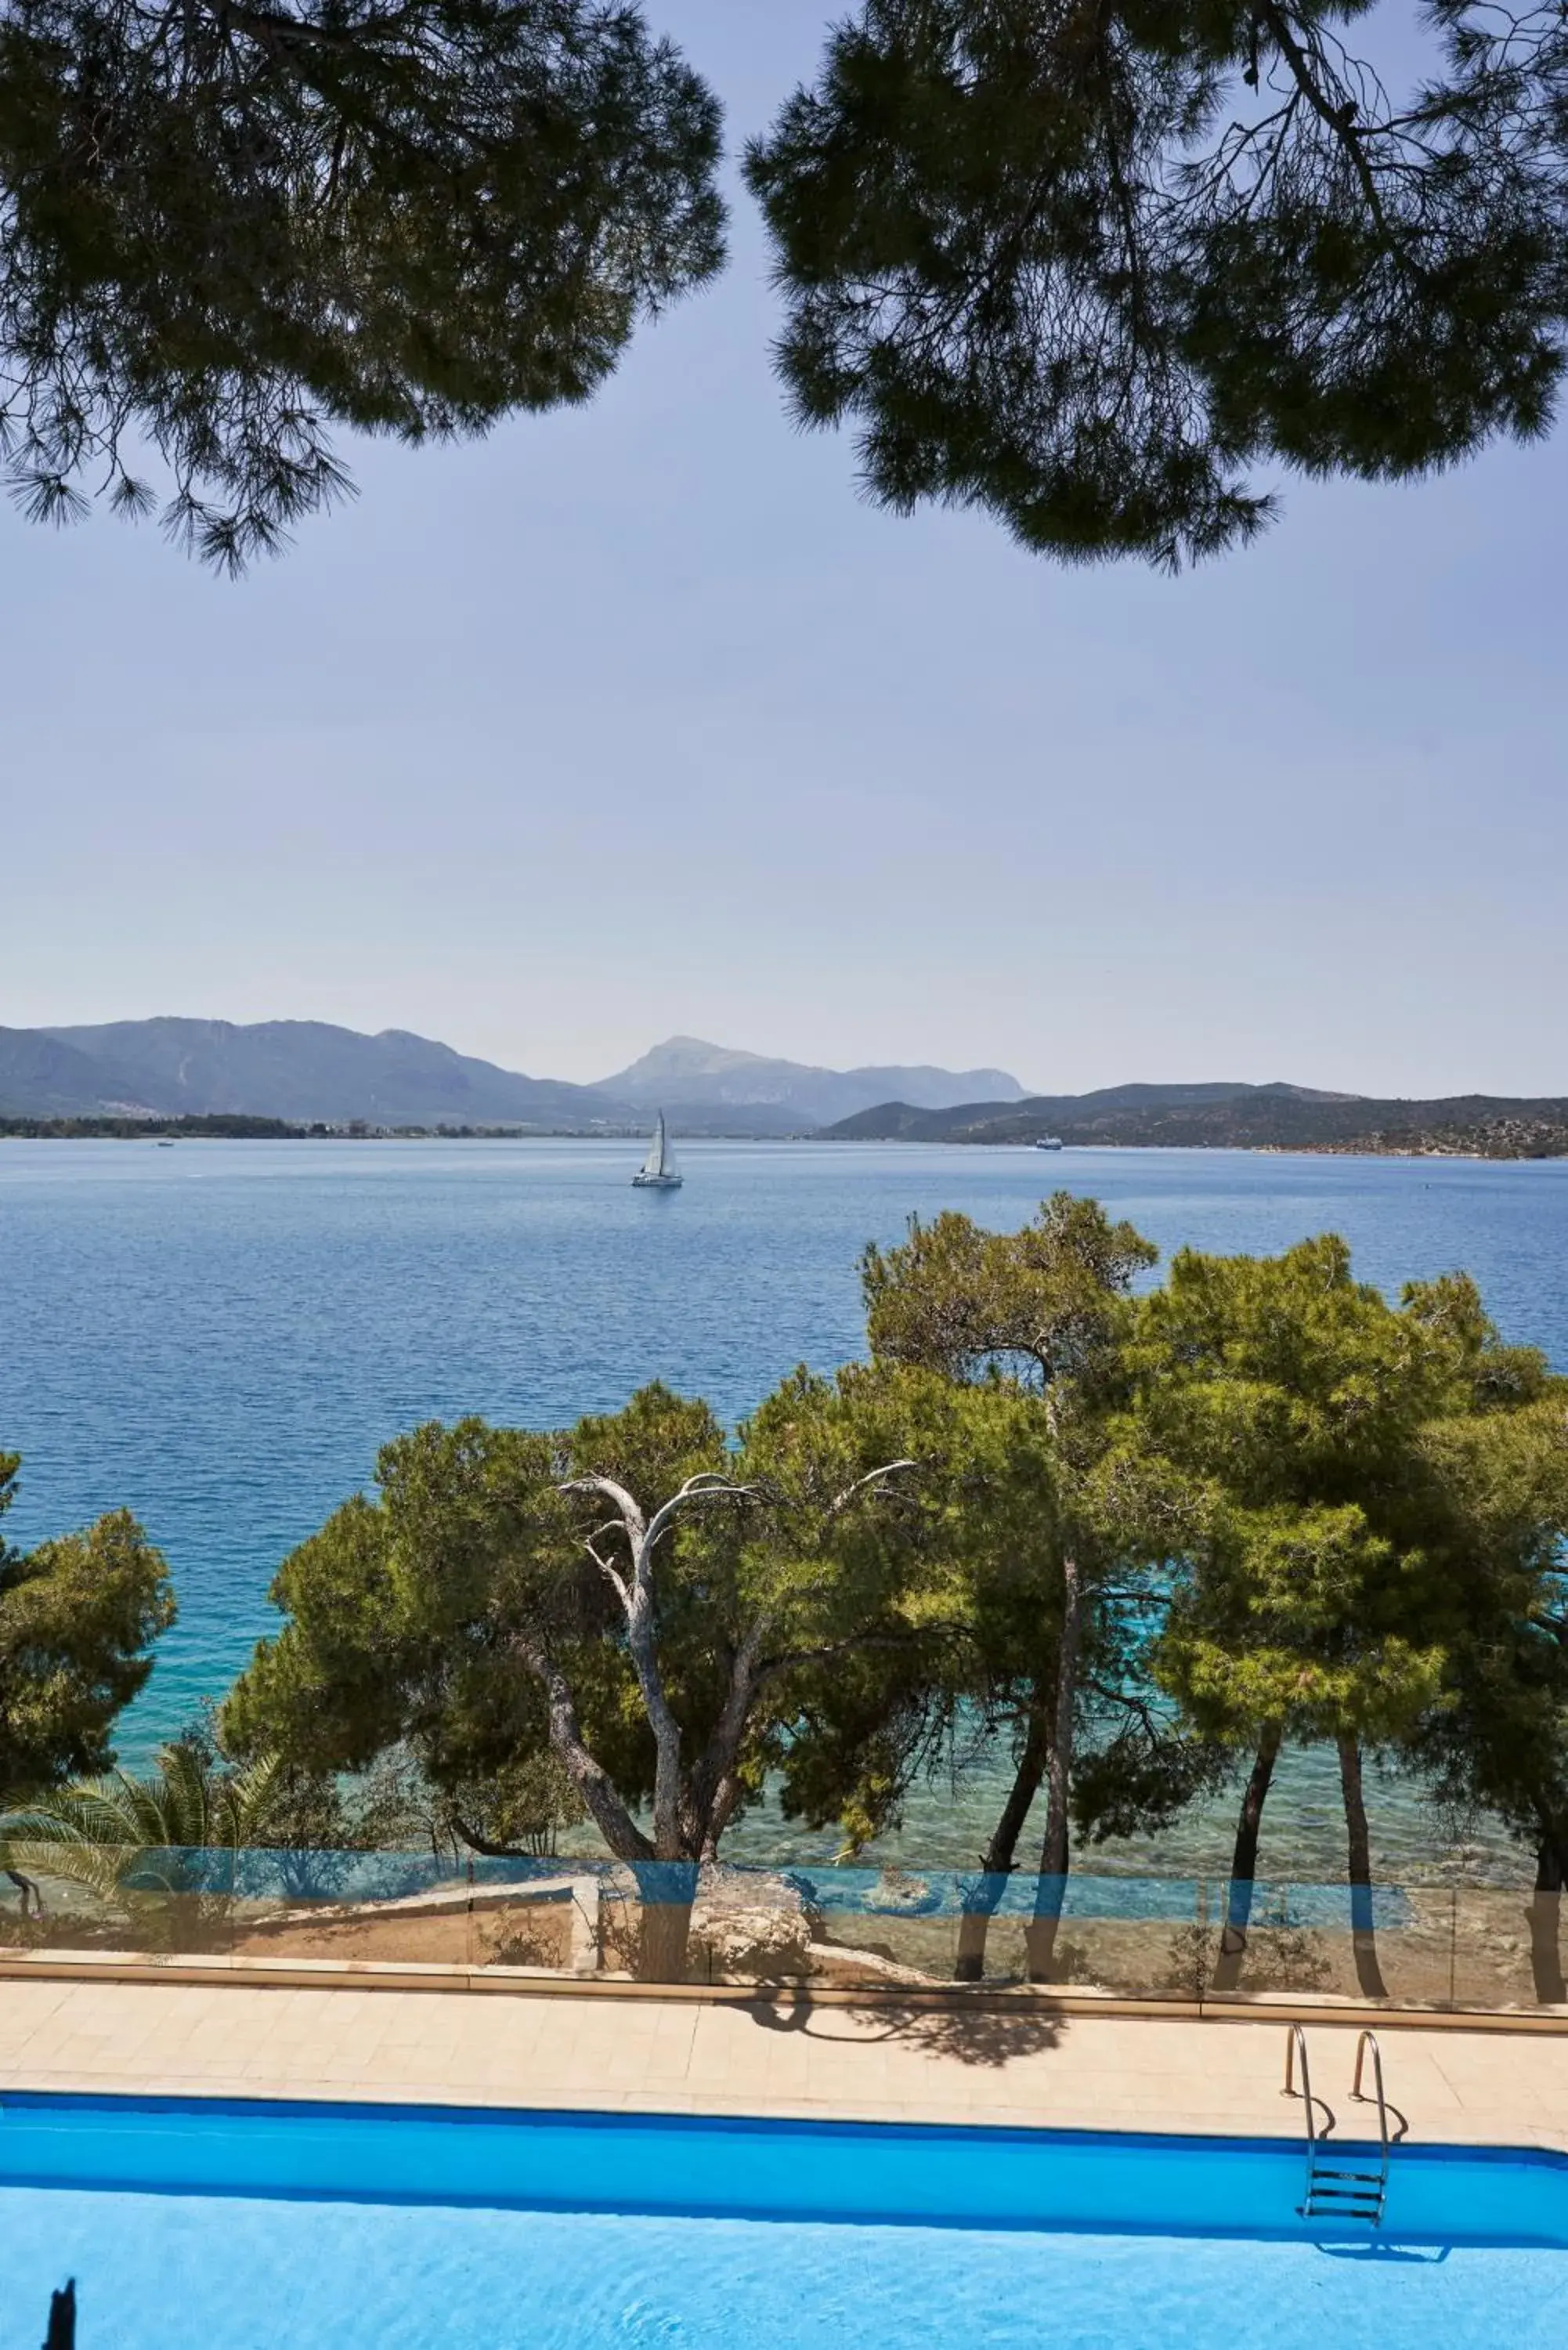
column 658, row 1171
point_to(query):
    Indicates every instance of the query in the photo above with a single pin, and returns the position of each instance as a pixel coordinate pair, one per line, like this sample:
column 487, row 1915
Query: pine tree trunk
column 1368, row 1974
column 668, row 1891
column 1050, row 1891
column 1244, row 1862
column 982, row 1896
column 1545, row 1914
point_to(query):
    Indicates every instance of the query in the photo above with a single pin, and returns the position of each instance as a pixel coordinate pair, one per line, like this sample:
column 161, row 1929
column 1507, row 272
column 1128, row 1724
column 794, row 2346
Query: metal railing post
column 1369, row 2040
column 1296, row 2040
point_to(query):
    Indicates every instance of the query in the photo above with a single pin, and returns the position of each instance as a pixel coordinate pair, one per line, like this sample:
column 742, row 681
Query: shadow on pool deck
column 974, row 2035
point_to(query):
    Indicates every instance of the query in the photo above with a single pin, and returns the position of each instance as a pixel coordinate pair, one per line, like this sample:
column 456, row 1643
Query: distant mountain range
column 1233, row 1117
column 1105, row 1114
column 302, row 1070
column 310, row 1073
column 692, row 1081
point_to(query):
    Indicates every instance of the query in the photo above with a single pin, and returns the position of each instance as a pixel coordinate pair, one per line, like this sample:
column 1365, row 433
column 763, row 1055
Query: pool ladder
column 1336, row 2189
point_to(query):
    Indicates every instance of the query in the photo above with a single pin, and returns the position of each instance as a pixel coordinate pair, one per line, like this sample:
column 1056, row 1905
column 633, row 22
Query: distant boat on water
column 1049, row 1142
column 658, row 1171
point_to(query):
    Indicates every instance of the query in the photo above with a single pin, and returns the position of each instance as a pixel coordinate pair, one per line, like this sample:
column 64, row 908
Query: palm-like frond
column 123, row 1834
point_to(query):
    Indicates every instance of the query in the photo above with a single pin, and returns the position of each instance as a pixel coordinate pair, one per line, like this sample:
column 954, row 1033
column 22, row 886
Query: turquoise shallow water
column 220, row 1335
column 714, row 2235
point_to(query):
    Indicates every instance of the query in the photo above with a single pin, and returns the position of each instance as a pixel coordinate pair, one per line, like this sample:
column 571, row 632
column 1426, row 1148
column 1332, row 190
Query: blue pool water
column 536, row 2233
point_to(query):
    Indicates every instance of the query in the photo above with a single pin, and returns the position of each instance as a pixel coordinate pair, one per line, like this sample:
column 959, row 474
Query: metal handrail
column 1369, row 2040
column 1296, row 2039
column 1341, row 2191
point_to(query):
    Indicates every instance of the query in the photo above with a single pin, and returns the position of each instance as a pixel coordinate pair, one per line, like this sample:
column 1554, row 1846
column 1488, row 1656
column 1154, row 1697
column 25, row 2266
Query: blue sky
column 638, row 719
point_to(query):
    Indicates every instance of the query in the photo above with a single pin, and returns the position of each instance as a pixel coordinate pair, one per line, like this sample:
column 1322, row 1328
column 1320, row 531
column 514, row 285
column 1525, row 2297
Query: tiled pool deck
column 875, row 2063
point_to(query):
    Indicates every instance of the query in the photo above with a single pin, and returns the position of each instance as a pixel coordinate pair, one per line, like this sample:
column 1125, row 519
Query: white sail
column 654, row 1162
column 658, row 1171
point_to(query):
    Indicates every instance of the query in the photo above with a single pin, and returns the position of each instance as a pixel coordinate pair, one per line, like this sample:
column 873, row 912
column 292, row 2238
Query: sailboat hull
column 655, row 1183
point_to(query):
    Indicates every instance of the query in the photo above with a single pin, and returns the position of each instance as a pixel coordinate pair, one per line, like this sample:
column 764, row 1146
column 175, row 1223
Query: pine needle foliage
column 1089, row 265
column 79, row 1618
column 226, row 229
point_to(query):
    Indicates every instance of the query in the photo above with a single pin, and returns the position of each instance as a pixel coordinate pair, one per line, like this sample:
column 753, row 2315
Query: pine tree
column 227, row 229
column 1089, row 265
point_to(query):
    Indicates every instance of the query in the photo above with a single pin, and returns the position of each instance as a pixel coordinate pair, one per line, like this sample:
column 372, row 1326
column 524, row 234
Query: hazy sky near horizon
column 638, row 719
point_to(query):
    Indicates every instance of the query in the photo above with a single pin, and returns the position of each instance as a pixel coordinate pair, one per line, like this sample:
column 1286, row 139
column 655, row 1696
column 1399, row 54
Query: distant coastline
column 1480, row 1146
column 304, row 1074
column 1261, row 1118
column 173, row 1079
column 232, row 1127
column 1535, row 1143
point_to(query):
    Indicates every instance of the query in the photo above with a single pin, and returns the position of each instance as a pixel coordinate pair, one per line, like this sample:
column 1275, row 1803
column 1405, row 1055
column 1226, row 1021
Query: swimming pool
column 230, row 2226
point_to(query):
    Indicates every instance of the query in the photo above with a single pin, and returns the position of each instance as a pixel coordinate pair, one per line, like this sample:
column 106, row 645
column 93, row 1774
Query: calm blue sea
column 220, row 1335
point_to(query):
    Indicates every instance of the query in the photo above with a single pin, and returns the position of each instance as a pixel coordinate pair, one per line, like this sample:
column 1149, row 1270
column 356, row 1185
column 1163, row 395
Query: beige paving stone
column 1016, row 2068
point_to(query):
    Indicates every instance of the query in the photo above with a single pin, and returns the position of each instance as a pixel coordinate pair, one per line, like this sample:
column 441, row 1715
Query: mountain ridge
column 1249, row 1117
column 307, row 1071
column 695, row 1075
column 310, row 1072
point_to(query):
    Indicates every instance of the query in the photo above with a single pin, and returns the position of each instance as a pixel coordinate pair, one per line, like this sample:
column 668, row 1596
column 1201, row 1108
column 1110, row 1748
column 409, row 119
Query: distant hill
column 1023, row 1119
column 306, row 1072
column 302, row 1070
column 42, row 1078
column 692, row 1080
column 1233, row 1117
